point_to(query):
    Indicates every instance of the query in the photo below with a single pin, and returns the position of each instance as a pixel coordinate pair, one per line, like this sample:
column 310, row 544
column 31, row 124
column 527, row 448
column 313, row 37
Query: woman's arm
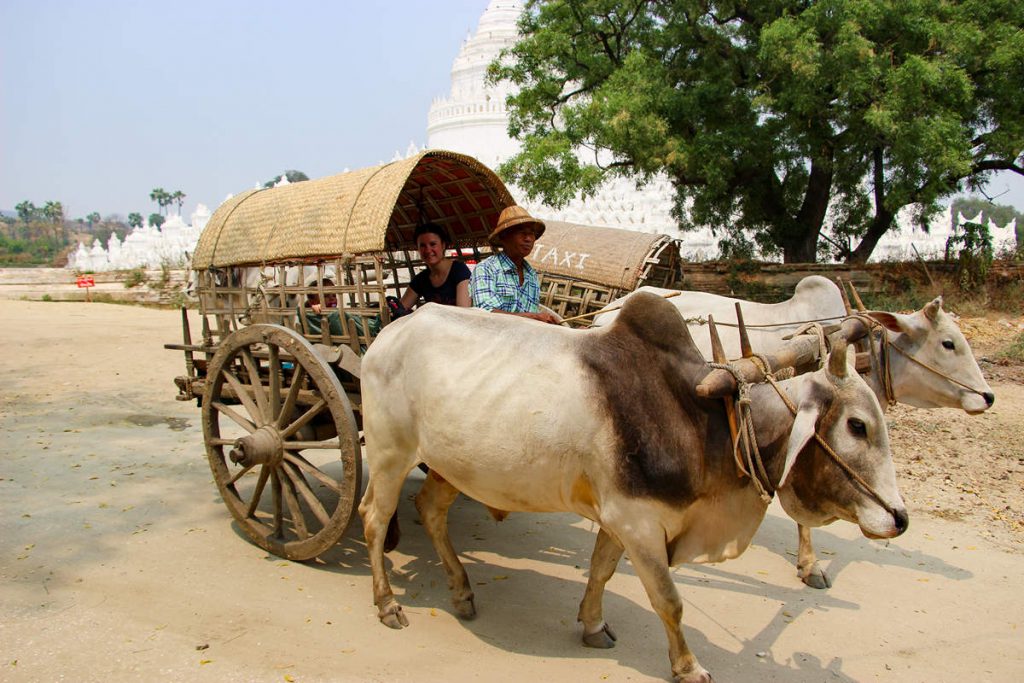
column 410, row 298
column 462, row 294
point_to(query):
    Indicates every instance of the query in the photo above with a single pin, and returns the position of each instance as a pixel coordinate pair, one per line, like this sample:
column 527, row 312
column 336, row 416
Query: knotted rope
column 744, row 448
column 831, row 453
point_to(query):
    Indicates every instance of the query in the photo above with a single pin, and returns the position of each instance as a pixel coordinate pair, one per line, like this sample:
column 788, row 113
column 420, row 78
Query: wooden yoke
column 718, row 356
column 796, row 352
column 863, row 346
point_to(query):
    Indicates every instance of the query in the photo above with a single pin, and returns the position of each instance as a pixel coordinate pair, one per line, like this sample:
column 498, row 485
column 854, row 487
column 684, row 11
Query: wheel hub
column 263, row 447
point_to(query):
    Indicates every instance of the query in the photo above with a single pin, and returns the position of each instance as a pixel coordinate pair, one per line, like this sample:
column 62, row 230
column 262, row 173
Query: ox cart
column 276, row 378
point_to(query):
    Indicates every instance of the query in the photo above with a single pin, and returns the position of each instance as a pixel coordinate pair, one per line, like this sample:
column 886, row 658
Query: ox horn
column 717, row 350
column 745, row 348
column 856, row 298
column 837, row 360
column 718, row 355
column 846, row 299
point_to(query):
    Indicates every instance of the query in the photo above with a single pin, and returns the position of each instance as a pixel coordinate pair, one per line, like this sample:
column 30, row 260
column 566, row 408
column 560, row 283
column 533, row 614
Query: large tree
column 772, row 118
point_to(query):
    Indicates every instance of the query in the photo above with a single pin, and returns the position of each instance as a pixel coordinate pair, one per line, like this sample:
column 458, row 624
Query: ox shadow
column 778, row 535
column 529, row 574
column 531, row 610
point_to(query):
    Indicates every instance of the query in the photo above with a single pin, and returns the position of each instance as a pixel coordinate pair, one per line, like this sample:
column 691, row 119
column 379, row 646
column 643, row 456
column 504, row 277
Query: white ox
column 604, row 423
column 930, row 336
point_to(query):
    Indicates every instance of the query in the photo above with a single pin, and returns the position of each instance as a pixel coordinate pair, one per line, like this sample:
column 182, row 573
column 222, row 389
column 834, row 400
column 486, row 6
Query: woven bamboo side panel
column 615, row 258
column 569, row 298
column 584, row 268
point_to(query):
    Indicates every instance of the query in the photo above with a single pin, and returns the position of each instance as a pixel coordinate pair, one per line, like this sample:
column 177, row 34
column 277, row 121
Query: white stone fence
column 157, row 286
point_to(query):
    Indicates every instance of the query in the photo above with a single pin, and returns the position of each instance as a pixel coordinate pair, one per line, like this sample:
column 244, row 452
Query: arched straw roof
column 619, row 259
column 363, row 211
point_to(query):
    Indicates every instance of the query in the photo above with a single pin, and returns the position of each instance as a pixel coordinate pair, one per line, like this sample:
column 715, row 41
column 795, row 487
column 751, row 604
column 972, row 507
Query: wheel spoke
column 313, row 470
column 275, row 488
column 293, row 395
column 303, row 419
column 241, row 473
column 256, row 382
column 327, row 444
column 298, row 519
column 257, row 492
column 274, row 368
column 243, row 395
column 300, row 484
column 236, row 418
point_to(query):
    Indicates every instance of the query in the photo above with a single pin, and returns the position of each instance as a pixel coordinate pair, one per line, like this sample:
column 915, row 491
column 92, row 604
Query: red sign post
column 86, row 281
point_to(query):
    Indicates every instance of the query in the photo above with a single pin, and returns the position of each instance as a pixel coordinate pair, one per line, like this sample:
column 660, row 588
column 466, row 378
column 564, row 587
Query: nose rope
column 883, row 356
column 824, row 446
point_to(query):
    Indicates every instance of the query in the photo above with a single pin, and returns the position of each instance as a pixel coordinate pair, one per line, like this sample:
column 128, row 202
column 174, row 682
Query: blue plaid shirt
column 495, row 284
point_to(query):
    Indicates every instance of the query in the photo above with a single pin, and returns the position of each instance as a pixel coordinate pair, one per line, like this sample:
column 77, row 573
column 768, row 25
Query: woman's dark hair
column 434, row 228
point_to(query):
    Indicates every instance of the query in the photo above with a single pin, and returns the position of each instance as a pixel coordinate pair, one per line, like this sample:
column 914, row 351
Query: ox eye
column 857, row 427
column 948, row 345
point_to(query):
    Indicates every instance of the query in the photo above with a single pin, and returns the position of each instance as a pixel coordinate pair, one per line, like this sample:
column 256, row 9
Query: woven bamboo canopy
column 363, row 211
column 618, row 259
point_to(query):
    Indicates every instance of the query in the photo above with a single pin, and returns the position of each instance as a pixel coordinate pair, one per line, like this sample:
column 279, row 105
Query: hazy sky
column 103, row 100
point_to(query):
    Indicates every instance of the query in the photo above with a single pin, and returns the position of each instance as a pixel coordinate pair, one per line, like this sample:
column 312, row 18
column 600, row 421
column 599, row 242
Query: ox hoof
column 699, row 675
column 603, row 639
column 465, row 609
column 817, row 578
column 393, row 617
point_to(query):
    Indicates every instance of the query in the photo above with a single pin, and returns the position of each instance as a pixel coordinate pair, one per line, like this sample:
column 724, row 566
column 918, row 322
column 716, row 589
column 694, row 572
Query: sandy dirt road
column 119, row 562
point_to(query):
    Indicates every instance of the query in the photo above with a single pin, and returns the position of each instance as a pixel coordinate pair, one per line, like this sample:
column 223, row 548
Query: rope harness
column 880, row 352
column 746, row 452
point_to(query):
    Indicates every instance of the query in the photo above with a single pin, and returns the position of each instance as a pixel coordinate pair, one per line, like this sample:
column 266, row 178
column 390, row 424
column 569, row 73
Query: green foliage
column 986, row 212
column 37, row 237
column 292, row 176
column 135, row 277
column 135, row 220
column 47, row 297
column 164, row 199
column 1015, row 350
column 767, row 117
column 972, row 245
column 156, row 219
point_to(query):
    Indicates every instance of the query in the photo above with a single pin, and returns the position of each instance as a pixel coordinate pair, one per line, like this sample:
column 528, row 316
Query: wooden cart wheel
column 276, row 420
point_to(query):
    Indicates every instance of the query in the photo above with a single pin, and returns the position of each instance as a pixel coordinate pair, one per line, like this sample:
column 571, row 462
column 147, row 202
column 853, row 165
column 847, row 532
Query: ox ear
column 799, row 435
column 932, row 308
column 900, row 322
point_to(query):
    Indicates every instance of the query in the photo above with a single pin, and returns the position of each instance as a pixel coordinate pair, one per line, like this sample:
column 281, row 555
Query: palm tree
column 161, row 197
column 178, row 198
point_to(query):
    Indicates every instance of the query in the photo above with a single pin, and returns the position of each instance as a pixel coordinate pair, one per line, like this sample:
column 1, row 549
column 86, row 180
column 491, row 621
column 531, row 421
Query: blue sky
column 103, row 100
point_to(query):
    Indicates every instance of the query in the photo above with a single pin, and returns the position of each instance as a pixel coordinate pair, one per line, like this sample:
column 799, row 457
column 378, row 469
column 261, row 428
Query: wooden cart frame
column 278, row 384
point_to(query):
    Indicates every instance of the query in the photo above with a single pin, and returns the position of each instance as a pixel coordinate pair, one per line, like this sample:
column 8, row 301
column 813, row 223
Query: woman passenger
column 444, row 280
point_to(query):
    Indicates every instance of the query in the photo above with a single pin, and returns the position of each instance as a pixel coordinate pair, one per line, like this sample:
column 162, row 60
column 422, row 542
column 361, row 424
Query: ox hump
column 655, row 321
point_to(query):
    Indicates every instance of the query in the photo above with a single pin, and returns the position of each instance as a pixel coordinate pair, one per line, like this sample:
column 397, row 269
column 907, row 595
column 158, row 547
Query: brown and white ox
column 604, row 423
column 930, row 336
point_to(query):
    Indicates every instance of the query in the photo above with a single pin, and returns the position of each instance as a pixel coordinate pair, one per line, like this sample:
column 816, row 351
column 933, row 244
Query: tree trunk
column 879, row 226
column 802, row 246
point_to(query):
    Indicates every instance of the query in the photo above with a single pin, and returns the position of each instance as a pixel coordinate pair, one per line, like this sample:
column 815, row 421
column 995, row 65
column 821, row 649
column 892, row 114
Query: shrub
column 1015, row 351
column 135, row 277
